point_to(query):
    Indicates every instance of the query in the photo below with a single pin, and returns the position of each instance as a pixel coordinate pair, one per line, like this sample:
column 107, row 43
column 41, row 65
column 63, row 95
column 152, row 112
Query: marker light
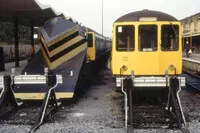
column 172, row 67
column 124, row 67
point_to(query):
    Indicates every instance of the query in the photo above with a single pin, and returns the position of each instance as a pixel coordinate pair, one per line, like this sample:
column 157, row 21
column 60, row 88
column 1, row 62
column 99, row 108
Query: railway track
column 28, row 115
column 33, row 114
column 192, row 80
column 159, row 111
column 24, row 115
column 148, row 116
column 13, row 112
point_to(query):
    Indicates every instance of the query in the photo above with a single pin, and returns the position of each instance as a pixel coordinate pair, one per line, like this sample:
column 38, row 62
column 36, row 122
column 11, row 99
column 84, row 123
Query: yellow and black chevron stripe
column 63, row 48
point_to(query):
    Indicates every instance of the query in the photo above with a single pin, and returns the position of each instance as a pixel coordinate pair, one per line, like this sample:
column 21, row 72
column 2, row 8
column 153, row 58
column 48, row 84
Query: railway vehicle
column 147, row 42
column 147, row 54
column 98, row 45
column 65, row 46
column 63, row 50
column 98, row 51
column 58, row 71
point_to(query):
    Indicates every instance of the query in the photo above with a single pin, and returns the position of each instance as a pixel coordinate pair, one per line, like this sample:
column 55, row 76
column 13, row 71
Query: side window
column 170, row 38
column 147, row 39
column 100, row 44
column 125, row 38
column 90, row 40
column 97, row 43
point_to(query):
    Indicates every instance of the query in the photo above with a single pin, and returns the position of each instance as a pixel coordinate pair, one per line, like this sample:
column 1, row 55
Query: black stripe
column 64, row 52
column 67, row 50
column 61, row 42
column 42, row 44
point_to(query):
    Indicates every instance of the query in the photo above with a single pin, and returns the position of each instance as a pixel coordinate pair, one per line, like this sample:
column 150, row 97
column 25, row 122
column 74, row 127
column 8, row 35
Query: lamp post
column 102, row 17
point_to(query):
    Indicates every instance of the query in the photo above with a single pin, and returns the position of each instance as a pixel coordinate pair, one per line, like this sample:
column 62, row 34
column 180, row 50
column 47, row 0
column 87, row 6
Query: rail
column 193, row 80
column 8, row 102
column 7, row 95
column 174, row 103
column 50, row 99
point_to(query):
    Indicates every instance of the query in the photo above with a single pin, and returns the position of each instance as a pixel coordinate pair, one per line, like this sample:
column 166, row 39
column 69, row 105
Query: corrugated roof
column 28, row 9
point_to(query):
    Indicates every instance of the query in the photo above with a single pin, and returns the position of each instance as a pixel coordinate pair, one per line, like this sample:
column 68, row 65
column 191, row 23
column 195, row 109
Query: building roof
column 27, row 9
column 189, row 17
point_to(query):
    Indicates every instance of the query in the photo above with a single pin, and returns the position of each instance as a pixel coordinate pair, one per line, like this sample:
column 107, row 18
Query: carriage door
column 147, row 50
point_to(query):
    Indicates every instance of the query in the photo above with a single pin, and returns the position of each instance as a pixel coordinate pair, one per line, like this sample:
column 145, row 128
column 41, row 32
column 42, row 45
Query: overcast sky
column 88, row 12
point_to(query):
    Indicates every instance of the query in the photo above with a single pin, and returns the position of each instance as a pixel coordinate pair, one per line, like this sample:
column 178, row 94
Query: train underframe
column 173, row 106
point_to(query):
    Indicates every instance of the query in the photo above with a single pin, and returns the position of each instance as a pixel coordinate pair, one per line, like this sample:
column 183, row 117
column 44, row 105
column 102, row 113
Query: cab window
column 169, row 37
column 148, row 38
column 125, row 38
column 90, row 40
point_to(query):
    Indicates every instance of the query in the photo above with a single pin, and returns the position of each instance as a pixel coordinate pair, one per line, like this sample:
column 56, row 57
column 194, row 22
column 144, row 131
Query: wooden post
column 32, row 39
column 16, row 42
column 191, row 42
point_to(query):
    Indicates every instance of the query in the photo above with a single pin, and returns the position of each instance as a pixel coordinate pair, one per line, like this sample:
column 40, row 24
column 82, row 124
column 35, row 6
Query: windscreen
column 147, row 38
column 170, row 37
column 125, row 38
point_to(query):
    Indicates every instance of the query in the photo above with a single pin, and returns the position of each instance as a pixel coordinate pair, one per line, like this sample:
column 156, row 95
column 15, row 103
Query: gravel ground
column 100, row 110
column 190, row 100
column 95, row 112
column 14, row 128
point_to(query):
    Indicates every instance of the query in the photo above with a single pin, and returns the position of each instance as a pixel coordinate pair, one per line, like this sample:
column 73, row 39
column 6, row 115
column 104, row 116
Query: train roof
column 91, row 30
column 135, row 16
